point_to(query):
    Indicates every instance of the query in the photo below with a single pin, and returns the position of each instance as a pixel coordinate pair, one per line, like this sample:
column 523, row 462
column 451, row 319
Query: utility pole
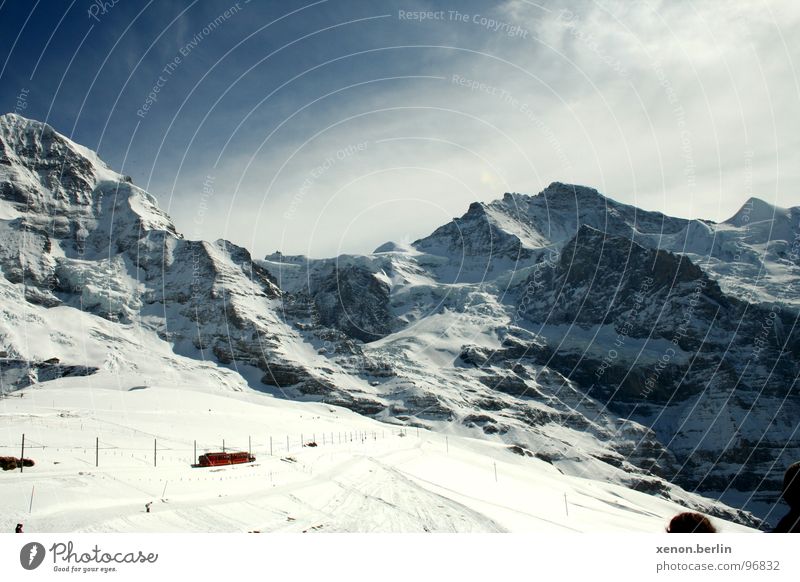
column 249, row 446
column 155, row 452
column 194, row 462
column 22, row 455
column 270, row 446
column 96, row 451
column 223, row 445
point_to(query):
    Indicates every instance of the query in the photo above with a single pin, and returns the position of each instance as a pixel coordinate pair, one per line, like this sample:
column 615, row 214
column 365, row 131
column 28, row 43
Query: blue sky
column 333, row 126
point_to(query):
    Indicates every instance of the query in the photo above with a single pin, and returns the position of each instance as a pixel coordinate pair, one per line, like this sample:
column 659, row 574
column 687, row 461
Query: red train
column 217, row 459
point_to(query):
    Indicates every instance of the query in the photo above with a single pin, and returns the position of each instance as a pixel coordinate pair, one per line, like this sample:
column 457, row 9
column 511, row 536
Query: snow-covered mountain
column 673, row 341
column 609, row 342
column 74, row 233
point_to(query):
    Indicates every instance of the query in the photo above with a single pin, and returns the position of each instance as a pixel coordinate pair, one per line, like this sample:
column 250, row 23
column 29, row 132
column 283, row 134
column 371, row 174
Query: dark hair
column 689, row 522
column 791, row 486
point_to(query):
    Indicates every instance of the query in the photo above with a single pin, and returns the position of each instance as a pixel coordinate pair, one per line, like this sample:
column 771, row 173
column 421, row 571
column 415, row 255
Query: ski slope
column 362, row 477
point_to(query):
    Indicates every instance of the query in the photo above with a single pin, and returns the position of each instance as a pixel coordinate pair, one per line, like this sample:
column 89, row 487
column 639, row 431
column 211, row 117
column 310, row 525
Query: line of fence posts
column 354, row 435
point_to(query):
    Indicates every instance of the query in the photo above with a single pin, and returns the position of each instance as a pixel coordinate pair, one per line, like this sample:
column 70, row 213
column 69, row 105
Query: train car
column 220, row 459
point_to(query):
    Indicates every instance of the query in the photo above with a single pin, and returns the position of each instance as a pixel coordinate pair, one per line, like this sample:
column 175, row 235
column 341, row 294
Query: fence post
column 270, row 446
column 194, row 461
column 155, row 452
column 97, row 451
column 249, row 446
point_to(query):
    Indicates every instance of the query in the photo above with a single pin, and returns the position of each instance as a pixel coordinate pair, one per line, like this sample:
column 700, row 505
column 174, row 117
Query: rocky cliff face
column 657, row 341
column 613, row 342
column 78, row 234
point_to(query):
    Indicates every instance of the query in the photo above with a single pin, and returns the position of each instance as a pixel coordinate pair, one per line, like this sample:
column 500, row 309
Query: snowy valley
column 551, row 362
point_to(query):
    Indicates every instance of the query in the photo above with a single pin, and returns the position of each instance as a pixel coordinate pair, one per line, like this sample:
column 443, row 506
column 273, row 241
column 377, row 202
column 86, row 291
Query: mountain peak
column 17, row 119
column 26, row 141
column 393, row 247
column 560, row 190
column 42, row 169
column 48, row 178
column 15, row 128
column 476, row 208
column 756, row 210
column 12, row 118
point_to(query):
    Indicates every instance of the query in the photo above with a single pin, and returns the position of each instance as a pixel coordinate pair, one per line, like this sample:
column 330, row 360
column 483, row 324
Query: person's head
column 791, row 486
column 689, row 522
column 19, row 527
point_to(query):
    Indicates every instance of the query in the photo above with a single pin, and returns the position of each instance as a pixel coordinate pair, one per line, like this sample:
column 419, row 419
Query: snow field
column 378, row 481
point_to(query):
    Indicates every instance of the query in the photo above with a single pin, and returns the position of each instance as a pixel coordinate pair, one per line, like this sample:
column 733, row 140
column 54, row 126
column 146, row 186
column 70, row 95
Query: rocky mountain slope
column 74, row 233
column 612, row 342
